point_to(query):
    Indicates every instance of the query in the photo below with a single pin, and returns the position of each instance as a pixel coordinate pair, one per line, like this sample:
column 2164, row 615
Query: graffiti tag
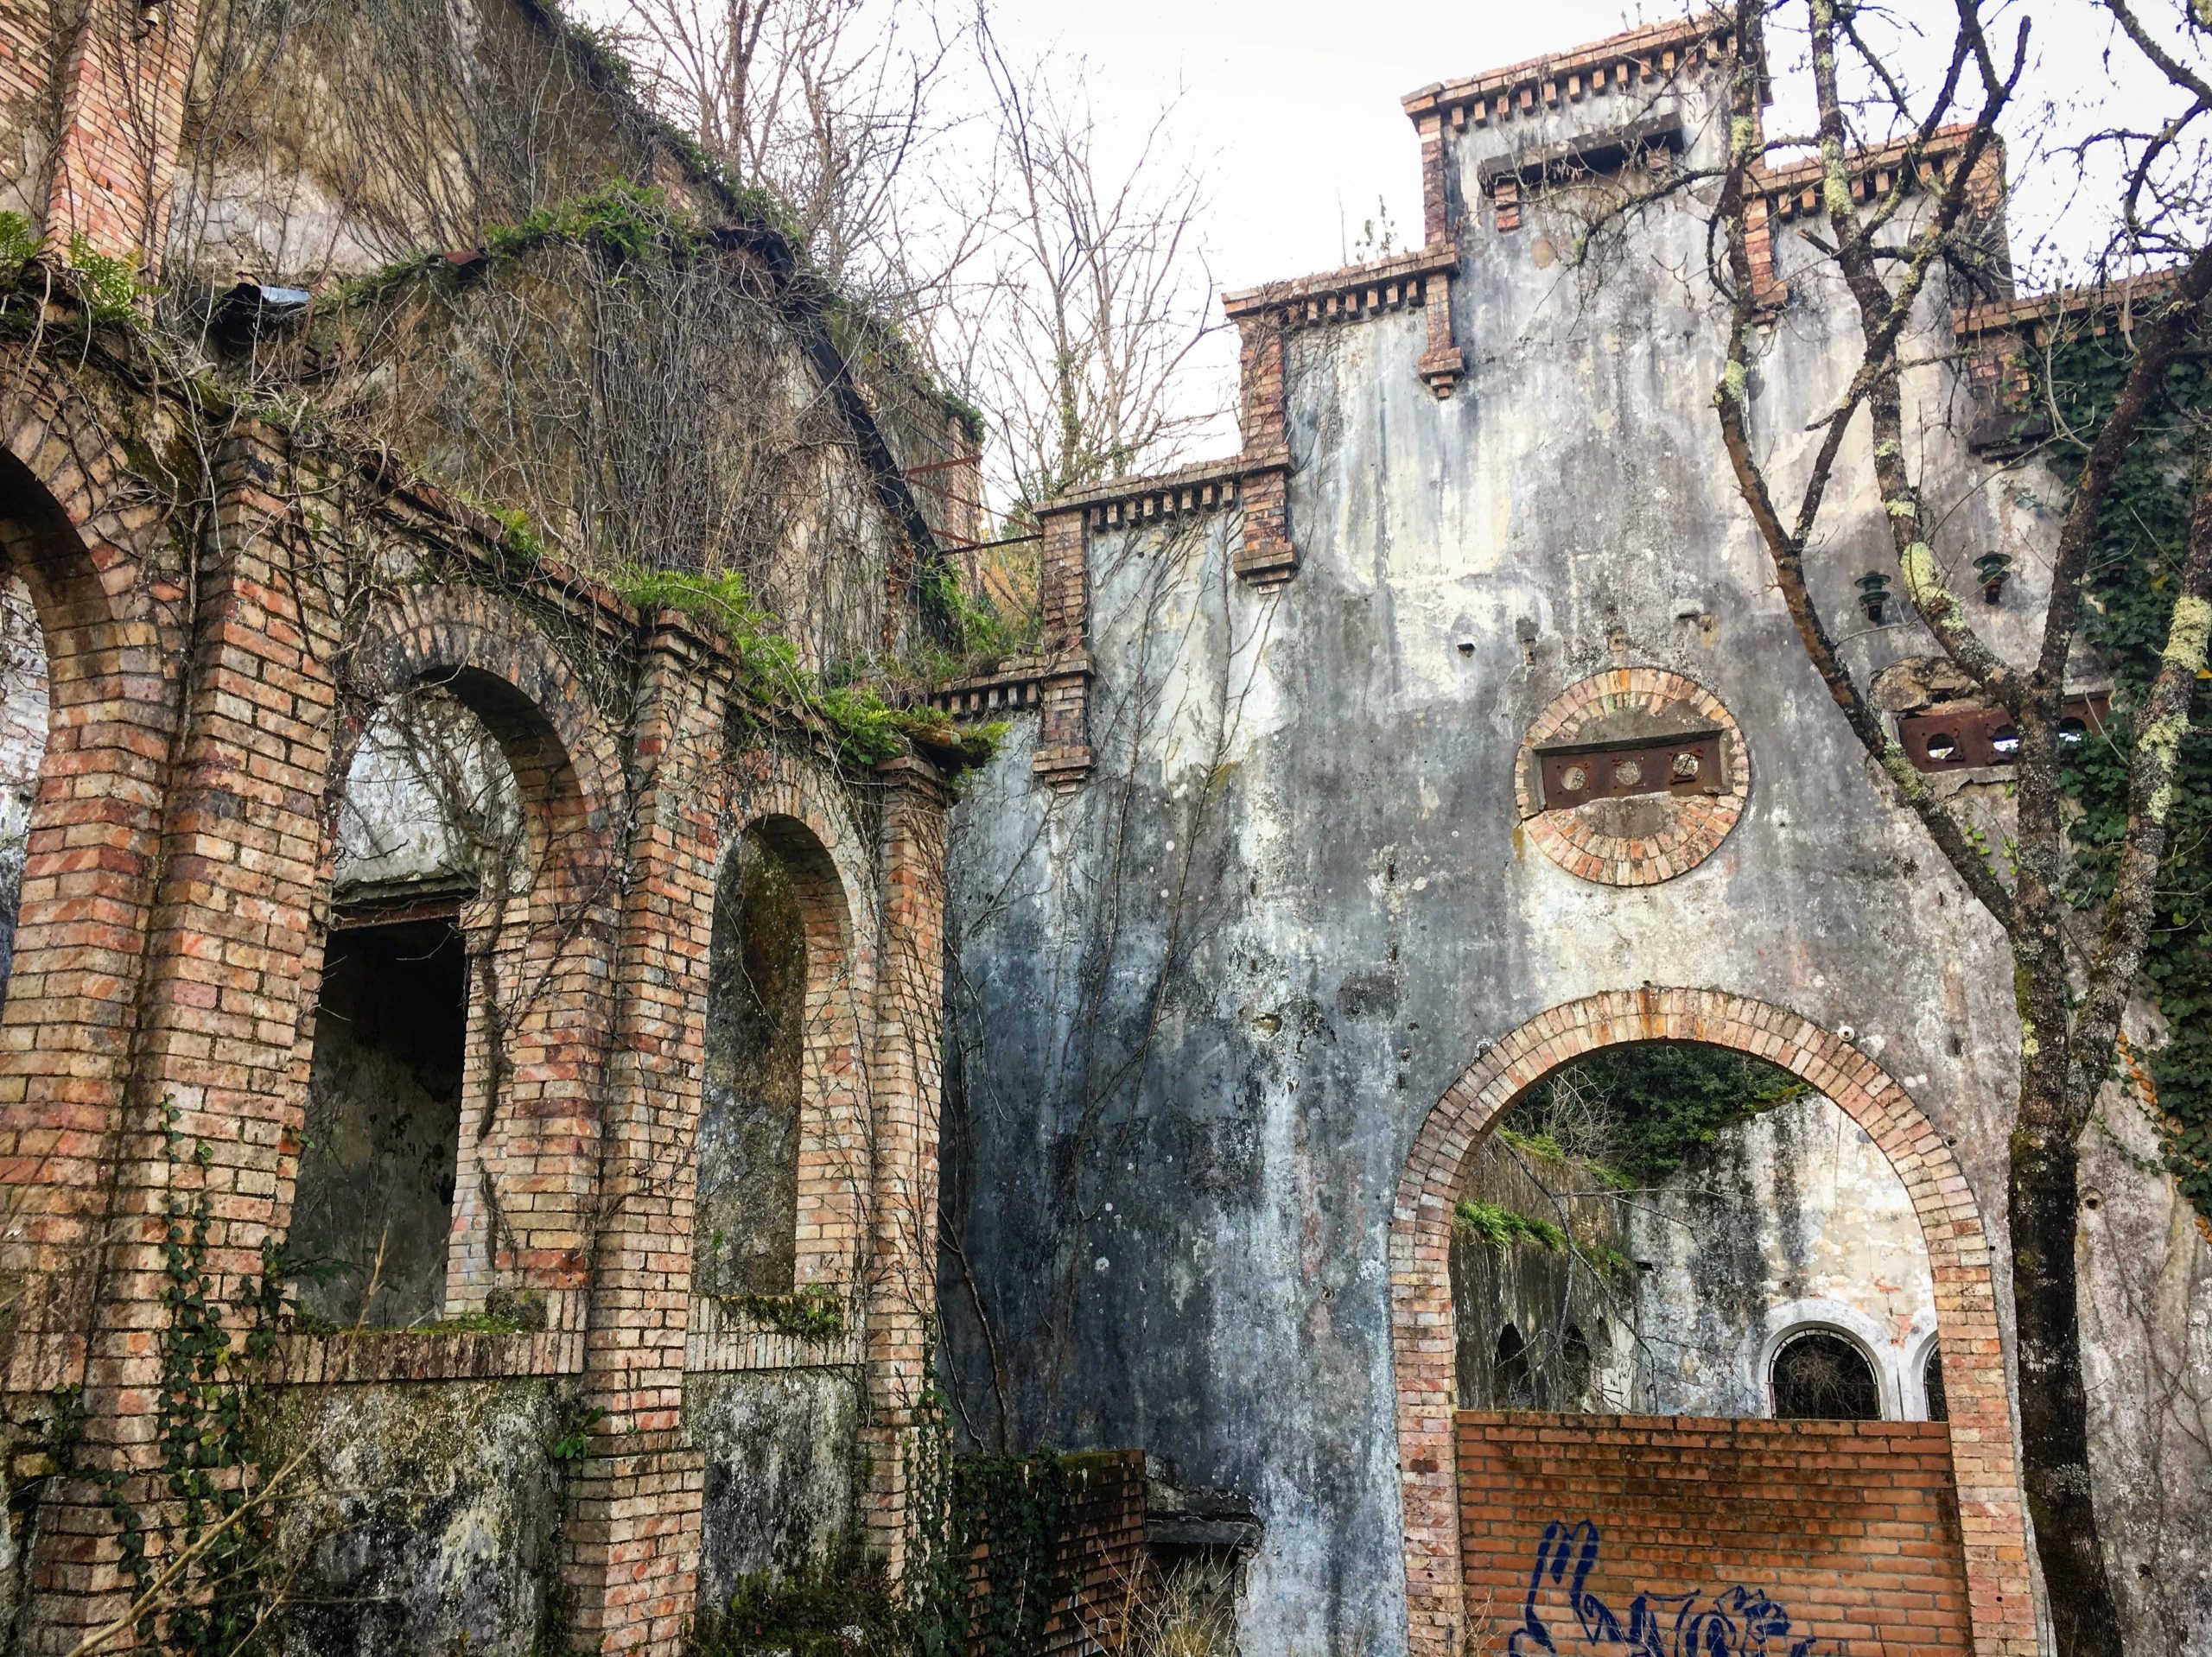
column 1562, row 1618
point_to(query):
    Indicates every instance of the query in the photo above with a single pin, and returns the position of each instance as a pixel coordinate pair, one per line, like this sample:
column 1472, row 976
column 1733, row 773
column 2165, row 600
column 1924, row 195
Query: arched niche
column 485, row 698
column 781, row 1151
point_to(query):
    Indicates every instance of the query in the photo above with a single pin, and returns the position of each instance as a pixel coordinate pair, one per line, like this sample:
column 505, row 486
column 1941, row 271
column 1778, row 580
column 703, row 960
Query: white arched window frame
column 1883, row 1353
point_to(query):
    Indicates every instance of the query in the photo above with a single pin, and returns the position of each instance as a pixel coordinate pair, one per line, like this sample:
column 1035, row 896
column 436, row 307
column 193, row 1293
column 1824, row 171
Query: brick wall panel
column 1850, row 1529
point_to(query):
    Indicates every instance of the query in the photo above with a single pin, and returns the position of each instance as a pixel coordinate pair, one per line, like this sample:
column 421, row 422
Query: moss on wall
column 429, row 1516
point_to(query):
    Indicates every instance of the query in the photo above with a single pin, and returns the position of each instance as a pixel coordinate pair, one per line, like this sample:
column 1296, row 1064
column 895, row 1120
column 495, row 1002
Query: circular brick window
column 1631, row 777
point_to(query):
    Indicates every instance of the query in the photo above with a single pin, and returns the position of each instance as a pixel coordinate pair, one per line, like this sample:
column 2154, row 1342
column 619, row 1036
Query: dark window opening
column 745, row 1236
column 1820, row 1376
column 1512, row 1383
column 374, row 1210
column 1574, row 1366
column 1931, row 1381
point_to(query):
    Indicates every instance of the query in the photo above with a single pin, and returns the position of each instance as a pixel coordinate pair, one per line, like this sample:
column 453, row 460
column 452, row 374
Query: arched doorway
column 1982, row 1466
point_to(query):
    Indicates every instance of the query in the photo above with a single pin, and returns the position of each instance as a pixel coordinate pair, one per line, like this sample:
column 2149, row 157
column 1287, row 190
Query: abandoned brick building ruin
column 591, row 1029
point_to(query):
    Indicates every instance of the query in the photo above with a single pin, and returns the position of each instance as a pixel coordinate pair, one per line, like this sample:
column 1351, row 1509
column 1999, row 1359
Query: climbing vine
column 2141, row 537
column 1005, row 1510
column 206, row 1482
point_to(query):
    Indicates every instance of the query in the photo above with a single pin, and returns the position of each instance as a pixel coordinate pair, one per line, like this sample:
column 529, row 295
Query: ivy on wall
column 2140, row 543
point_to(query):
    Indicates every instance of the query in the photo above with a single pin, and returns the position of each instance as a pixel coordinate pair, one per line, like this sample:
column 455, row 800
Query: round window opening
column 1631, row 777
column 1820, row 1376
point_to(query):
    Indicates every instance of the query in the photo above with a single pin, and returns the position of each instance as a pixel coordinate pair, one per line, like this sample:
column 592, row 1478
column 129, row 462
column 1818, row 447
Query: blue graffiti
column 1562, row 1618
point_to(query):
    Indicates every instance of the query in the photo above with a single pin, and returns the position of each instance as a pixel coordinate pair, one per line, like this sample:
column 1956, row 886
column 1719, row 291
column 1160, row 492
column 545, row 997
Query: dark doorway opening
column 374, row 1210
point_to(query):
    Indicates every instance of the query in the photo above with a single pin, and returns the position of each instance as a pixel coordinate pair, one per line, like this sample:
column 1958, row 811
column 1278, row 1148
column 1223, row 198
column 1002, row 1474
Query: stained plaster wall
column 1793, row 1217
column 1206, row 999
column 432, row 1521
column 782, row 1470
column 1680, row 1292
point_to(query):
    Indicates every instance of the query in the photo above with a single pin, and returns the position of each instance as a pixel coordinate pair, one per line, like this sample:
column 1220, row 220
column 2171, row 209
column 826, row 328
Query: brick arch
column 527, row 1182
column 78, row 527
column 504, row 671
column 1422, row 1346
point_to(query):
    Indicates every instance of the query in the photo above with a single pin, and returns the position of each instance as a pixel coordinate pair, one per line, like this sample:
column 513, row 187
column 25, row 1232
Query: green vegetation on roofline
column 867, row 729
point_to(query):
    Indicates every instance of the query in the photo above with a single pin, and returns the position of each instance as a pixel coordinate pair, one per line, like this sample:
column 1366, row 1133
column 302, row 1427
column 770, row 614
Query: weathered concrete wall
column 1206, row 999
column 1573, row 1312
column 783, row 1474
column 2146, row 1330
column 1791, row 1218
column 433, row 1518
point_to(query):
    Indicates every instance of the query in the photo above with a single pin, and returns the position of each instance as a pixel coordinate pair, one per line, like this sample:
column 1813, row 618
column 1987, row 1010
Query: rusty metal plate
column 1964, row 738
column 1692, row 764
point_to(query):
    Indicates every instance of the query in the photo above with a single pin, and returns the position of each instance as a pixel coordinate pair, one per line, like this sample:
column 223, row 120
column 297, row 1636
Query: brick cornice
column 1615, row 64
column 1354, row 291
column 1796, row 189
column 2033, row 311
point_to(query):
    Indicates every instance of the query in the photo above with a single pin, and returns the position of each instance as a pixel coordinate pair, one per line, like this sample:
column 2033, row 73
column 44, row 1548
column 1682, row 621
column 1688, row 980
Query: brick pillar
column 1062, row 756
column 123, row 89
column 87, row 881
column 1442, row 363
column 1268, row 556
column 634, row 1504
column 228, row 959
column 906, row 1074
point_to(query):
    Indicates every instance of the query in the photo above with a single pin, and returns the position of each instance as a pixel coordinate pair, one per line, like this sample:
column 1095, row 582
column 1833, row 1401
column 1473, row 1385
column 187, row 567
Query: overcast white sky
column 1290, row 107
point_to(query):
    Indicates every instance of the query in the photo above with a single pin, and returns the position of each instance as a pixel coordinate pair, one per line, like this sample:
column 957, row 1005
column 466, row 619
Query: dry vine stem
column 2071, row 992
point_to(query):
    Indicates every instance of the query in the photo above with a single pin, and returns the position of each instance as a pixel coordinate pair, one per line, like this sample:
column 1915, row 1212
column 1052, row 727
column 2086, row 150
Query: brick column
column 1062, row 756
column 228, row 961
column 1443, row 362
column 906, row 1076
column 122, row 88
column 88, row 870
column 1268, row 556
column 634, row 1506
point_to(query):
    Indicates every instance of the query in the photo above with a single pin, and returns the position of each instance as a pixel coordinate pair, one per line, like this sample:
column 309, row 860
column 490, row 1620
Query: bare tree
column 2075, row 969
column 828, row 104
column 1096, row 297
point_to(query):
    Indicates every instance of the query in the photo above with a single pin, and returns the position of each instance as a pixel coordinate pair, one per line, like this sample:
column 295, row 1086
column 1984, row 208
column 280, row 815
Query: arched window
column 745, row 1227
column 1818, row 1375
column 1931, row 1384
column 1512, row 1384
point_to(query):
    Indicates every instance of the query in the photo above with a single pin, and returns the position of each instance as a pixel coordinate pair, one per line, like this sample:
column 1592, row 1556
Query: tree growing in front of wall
column 2078, row 948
